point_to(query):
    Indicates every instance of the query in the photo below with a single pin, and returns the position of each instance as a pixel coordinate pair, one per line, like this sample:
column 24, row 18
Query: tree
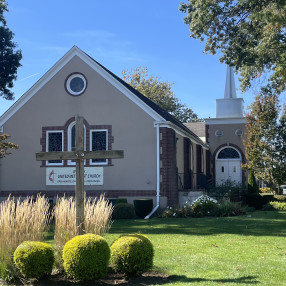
column 4, row 146
column 265, row 140
column 160, row 92
column 252, row 185
column 9, row 63
column 250, row 34
column 9, row 57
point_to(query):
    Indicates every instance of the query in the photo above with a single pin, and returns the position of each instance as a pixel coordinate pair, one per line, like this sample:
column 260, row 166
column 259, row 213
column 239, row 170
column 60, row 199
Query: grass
column 245, row 250
column 212, row 251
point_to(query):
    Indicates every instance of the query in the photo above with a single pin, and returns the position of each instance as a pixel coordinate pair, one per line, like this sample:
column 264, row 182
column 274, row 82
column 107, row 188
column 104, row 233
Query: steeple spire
column 230, row 106
column 229, row 91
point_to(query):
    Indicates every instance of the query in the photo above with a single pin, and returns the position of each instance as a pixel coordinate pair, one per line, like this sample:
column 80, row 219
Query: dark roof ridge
column 166, row 115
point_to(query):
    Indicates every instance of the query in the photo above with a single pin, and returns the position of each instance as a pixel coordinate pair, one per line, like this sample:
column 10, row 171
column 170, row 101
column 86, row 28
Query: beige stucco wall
column 101, row 104
column 227, row 137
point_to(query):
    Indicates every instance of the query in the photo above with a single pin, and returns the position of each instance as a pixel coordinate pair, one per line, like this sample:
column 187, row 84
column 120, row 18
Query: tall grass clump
column 20, row 220
column 97, row 214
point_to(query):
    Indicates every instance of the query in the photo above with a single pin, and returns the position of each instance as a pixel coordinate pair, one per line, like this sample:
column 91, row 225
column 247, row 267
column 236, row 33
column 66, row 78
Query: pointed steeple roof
column 229, row 91
column 230, row 106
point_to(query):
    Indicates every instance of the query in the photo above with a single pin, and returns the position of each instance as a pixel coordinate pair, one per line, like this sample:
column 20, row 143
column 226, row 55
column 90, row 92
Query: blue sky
column 120, row 35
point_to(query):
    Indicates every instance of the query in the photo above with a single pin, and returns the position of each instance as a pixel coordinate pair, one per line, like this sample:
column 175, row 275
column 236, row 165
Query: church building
column 161, row 155
column 224, row 135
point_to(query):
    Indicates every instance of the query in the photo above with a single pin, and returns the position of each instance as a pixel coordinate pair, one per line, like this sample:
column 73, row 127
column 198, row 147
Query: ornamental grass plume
column 97, row 214
column 20, row 221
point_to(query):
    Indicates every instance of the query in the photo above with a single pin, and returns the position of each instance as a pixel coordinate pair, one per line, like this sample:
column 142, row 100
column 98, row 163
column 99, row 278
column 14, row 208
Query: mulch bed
column 113, row 278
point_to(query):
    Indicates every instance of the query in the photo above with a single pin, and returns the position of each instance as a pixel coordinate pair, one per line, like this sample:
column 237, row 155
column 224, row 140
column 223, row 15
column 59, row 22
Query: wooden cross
column 79, row 155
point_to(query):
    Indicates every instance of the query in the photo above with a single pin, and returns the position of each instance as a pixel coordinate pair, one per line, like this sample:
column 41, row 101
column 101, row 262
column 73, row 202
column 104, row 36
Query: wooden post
column 79, row 191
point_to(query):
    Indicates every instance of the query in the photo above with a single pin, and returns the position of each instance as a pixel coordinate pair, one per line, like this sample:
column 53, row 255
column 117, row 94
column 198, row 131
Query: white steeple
column 229, row 91
column 230, row 106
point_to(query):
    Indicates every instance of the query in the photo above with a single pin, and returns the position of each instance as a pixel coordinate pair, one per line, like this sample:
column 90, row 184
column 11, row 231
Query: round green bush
column 121, row 200
column 143, row 207
column 34, row 259
column 132, row 254
column 86, row 257
column 123, row 211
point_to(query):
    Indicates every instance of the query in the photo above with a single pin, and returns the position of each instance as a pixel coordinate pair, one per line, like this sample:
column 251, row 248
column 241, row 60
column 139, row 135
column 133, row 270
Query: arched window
column 71, row 140
column 228, row 153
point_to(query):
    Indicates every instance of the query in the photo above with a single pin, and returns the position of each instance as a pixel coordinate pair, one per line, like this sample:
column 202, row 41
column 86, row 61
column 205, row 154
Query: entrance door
column 228, row 166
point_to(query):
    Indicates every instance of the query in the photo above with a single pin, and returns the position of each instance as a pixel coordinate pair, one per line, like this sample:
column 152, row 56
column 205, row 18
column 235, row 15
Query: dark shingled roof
column 166, row 115
column 199, row 128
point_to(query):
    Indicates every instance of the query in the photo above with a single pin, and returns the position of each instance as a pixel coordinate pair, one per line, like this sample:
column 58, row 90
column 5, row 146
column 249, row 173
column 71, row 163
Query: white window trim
column 70, row 78
column 90, row 144
column 70, row 163
column 47, row 146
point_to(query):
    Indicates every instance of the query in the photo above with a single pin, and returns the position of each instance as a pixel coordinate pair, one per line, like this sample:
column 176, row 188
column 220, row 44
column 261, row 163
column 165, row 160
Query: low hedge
column 280, row 198
column 275, row 206
column 143, row 207
column 123, row 211
column 86, row 257
column 34, row 259
column 132, row 254
column 258, row 200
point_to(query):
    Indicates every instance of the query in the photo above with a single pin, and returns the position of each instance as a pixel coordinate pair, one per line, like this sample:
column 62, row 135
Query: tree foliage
column 250, row 34
column 4, row 145
column 160, row 92
column 9, row 56
column 265, row 141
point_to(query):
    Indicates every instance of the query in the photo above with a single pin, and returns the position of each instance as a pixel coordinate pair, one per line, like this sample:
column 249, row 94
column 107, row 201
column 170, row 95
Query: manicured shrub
column 132, row 254
column 258, row 200
column 123, row 211
column 252, row 185
column 121, row 200
column 34, row 259
column 143, row 207
column 86, row 257
column 98, row 221
column 20, row 220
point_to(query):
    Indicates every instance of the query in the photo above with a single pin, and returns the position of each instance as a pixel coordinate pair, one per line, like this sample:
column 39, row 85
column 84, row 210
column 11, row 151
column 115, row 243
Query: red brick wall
column 169, row 170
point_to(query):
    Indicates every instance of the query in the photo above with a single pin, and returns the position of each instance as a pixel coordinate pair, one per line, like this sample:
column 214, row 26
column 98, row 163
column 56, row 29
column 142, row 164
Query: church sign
column 67, row 176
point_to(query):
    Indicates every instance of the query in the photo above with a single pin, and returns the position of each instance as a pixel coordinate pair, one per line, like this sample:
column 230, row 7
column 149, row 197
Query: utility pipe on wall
column 157, row 170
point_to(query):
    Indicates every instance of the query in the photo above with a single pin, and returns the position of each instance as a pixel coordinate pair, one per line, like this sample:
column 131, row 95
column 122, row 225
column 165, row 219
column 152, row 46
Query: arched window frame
column 70, row 162
column 225, row 147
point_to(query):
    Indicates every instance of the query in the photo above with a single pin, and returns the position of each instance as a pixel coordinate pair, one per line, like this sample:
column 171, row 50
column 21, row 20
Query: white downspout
column 158, row 172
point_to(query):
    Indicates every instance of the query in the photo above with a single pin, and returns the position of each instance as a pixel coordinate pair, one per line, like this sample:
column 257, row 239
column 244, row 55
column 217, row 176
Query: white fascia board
column 235, row 120
column 38, row 85
column 75, row 51
column 181, row 132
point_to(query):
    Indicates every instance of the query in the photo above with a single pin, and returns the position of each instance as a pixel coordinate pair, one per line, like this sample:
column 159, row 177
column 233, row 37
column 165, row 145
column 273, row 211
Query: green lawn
column 212, row 251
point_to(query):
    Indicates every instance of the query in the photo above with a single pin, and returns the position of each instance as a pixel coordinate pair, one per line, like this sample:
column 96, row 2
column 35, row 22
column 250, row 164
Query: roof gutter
column 157, row 126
